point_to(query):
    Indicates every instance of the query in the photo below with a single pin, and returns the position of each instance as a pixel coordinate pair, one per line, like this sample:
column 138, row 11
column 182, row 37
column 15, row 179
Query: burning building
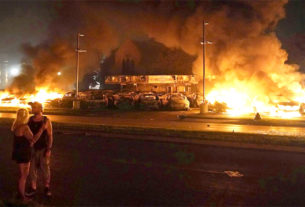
column 148, row 66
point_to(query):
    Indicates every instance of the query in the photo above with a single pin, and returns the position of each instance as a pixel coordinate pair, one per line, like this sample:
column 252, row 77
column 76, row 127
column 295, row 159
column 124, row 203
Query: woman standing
column 22, row 147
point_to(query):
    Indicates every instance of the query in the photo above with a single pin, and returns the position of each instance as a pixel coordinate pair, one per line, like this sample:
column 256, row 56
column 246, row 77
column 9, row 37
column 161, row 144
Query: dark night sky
column 27, row 21
column 294, row 21
column 21, row 22
column 291, row 31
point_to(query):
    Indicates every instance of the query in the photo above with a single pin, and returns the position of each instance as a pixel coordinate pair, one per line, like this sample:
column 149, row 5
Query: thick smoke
column 42, row 65
column 246, row 54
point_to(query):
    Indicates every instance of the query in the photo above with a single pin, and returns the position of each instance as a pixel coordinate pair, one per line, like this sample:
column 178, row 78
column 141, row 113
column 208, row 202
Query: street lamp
column 204, row 42
column 15, row 71
column 78, row 50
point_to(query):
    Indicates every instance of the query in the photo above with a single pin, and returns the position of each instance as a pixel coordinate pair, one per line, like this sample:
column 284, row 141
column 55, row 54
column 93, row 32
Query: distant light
column 59, row 73
column 209, row 42
column 15, row 71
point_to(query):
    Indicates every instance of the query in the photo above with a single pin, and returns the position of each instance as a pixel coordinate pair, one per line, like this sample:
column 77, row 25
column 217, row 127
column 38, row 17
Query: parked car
column 163, row 97
column 192, row 98
column 94, row 104
column 178, row 102
column 96, row 95
column 124, row 101
column 86, row 95
column 198, row 100
column 69, row 95
column 149, row 101
column 109, row 95
column 81, row 95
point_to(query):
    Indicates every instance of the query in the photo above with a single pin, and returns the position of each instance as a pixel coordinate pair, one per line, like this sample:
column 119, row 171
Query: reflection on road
column 169, row 120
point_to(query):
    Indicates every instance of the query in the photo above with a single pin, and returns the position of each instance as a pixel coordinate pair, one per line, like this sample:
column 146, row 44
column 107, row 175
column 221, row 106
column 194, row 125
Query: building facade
column 154, row 83
column 148, row 66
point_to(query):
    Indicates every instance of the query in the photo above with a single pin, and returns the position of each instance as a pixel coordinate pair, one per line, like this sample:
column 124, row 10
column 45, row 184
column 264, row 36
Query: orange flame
column 43, row 95
column 248, row 99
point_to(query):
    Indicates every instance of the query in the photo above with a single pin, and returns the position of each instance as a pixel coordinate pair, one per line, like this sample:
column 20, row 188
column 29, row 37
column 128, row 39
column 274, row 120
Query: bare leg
column 24, row 172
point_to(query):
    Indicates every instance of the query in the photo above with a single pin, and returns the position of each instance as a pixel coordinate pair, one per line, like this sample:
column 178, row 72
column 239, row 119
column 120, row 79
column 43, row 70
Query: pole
column 77, row 65
column 204, row 104
column 76, row 102
column 203, row 60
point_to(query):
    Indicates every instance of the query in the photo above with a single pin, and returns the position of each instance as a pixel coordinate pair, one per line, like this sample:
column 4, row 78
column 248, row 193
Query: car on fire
column 149, row 101
column 290, row 107
column 178, row 101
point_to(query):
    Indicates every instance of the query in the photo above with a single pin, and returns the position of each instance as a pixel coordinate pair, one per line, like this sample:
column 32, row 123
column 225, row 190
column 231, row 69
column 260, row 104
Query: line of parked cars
column 135, row 100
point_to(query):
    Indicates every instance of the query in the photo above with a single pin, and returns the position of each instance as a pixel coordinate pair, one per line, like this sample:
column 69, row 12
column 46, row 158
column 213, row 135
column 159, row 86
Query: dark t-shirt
column 35, row 126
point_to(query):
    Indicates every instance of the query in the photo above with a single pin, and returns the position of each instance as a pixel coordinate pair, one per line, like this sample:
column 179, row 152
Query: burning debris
column 42, row 95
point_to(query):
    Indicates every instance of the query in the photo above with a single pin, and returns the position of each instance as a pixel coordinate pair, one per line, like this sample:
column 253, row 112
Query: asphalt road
column 170, row 120
column 103, row 170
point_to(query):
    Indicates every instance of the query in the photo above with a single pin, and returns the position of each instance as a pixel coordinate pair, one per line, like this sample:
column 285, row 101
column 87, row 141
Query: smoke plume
column 245, row 55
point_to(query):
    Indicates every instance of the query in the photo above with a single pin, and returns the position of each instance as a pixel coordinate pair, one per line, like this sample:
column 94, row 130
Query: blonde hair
column 22, row 117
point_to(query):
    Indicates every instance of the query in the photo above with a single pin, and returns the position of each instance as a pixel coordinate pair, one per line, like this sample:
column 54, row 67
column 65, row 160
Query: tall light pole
column 78, row 50
column 204, row 104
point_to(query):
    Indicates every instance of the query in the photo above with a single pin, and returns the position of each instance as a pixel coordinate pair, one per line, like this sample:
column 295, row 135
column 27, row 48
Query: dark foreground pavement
column 103, row 170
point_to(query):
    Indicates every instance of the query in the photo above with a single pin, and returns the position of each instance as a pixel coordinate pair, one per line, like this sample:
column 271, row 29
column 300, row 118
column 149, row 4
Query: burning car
column 69, row 95
column 288, row 109
column 178, row 102
column 149, row 101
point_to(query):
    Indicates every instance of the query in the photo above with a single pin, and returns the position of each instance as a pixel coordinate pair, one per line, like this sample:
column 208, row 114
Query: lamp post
column 76, row 103
column 204, row 104
column 78, row 50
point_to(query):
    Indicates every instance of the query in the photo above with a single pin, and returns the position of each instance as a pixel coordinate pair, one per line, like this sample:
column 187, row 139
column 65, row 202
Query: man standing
column 41, row 149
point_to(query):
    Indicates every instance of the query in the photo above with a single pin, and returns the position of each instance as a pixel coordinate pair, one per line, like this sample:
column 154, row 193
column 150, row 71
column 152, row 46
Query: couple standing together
column 33, row 140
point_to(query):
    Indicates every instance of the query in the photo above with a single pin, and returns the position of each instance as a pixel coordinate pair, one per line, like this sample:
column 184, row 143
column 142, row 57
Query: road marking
column 231, row 174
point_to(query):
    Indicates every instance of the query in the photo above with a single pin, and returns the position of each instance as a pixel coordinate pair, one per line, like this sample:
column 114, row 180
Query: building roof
column 147, row 58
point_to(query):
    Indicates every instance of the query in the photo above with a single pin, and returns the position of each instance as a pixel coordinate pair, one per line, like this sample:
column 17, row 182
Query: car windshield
column 149, row 96
column 177, row 97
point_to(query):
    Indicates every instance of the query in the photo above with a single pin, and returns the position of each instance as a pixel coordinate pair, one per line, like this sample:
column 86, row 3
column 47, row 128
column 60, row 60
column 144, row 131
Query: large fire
column 42, row 95
column 237, row 101
column 248, row 100
column 247, row 57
